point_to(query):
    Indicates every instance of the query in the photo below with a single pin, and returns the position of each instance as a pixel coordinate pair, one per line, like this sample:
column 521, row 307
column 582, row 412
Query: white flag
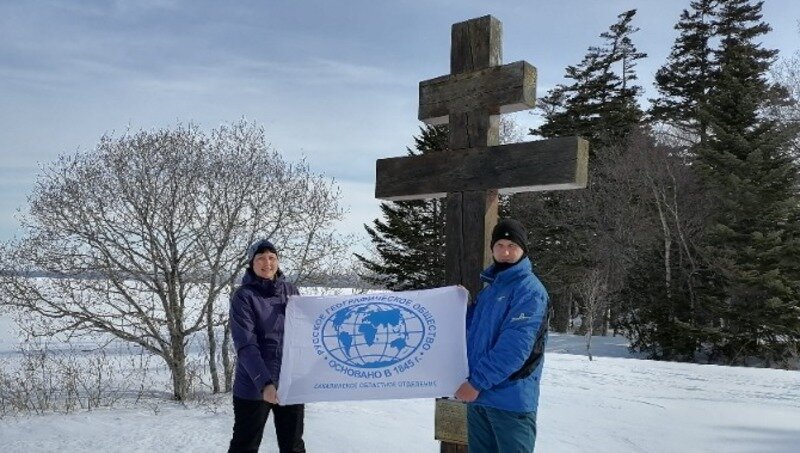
column 407, row 344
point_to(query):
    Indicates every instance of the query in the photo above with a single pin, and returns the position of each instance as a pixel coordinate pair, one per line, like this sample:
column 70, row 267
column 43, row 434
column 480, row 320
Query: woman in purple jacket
column 257, row 312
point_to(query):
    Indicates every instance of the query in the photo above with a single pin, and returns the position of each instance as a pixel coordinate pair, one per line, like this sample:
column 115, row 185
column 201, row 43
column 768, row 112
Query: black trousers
column 250, row 418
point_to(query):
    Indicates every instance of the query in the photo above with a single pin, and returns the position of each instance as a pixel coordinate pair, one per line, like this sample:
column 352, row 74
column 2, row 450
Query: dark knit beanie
column 259, row 246
column 511, row 230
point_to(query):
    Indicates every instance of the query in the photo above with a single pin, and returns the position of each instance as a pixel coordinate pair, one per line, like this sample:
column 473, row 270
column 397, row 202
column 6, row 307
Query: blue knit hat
column 259, row 246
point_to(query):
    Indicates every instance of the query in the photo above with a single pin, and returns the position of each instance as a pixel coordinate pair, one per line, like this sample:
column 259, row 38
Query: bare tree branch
column 144, row 235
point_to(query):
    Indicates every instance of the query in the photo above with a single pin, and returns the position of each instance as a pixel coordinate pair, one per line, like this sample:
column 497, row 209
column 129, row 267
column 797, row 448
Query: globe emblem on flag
column 372, row 335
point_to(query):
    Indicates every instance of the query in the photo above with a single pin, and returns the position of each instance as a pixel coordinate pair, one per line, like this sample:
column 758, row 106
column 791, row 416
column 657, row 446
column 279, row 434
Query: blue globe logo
column 372, row 335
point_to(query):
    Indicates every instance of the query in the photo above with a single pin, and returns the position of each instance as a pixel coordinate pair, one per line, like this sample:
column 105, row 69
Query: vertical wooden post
column 476, row 44
column 475, row 167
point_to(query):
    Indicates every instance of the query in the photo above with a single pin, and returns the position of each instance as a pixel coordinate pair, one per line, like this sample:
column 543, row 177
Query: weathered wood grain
column 469, row 217
column 554, row 164
column 473, row 130
column 475, row 168
column 495, row 90
column 450, row 422
column 476, row 44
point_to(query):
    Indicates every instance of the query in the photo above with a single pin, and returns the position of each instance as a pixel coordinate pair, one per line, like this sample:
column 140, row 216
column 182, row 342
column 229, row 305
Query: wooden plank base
column 450, row 425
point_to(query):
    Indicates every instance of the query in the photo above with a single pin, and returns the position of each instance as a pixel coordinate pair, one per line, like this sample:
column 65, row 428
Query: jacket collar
column 522, row 268
column 251, row 279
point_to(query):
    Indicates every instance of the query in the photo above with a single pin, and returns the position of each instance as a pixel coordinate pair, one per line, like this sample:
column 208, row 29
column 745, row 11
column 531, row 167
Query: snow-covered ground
column 613, row 404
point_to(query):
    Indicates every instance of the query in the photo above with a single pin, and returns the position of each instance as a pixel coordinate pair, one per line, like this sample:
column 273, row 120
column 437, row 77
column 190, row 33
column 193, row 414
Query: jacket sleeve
column 515, row 342
column 244, row 339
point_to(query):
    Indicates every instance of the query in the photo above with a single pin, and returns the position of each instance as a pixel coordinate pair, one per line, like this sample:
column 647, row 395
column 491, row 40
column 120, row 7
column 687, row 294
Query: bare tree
column 511, row 131
column 638, row 225
column 147, row 232
column 787, row 74
column 592, row 291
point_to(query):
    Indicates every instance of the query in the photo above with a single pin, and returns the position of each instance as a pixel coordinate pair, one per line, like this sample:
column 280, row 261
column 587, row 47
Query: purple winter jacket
column 257, row 312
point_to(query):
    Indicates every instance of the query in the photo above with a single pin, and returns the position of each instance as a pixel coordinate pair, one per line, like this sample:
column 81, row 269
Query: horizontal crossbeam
column 554, row 164
column 499, row 89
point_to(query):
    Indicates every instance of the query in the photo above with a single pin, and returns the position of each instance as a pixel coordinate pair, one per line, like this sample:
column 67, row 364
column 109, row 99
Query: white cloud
column 359, row 199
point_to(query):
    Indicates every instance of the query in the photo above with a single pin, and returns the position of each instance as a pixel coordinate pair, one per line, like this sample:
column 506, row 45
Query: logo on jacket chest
column 521, row 317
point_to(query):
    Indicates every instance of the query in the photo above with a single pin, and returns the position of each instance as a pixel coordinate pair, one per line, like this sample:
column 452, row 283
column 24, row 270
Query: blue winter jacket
column 501, row 330
column 257, row 312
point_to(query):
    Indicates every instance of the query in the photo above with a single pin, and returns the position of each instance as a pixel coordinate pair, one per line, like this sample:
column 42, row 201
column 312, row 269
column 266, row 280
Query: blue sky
column 335, row 82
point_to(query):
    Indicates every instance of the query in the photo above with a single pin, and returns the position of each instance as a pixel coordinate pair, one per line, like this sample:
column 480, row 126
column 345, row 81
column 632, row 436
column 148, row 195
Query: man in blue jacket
column 506, row 331
column 257, row 313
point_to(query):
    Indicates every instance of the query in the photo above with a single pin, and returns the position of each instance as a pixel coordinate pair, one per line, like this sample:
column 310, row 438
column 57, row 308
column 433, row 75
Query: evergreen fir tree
column 623, row 112
column 658, row 318
column 685, row 80
column 410, row 238
column 663, row 320
column 754, row 240
column 601, row 104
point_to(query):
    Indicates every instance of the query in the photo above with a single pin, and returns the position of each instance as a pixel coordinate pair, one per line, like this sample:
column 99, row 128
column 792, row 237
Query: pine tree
column 685, row 80
column 601, row 104
column 658, row 319
column 410, row 239
column 754, row 240
column 622, row 108
column 665, row 319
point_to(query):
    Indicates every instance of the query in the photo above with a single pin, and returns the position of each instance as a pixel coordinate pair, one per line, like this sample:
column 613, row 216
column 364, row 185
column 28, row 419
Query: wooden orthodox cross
column 476, row 167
